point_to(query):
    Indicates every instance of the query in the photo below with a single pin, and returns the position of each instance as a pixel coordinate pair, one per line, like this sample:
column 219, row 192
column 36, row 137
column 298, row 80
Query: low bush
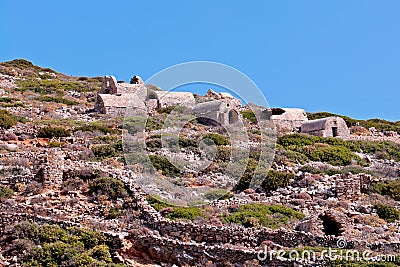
column 217, row 139
column 154, row 123
column 50, row 132
column 97, row 127
column 162, row 163
column 110, row 187
column 249, row 115
column 174, row 213
column 51, row 245
column 107, row 151
column 253, row 215
column 387, row 188
column 335, row 151
column 5, row 193
column 45, row 87
column 7, row 120
column 220, row 194
column 190, row 213
column 113, row 213
column 275, row 180
column 386, row 212
column 58, row 99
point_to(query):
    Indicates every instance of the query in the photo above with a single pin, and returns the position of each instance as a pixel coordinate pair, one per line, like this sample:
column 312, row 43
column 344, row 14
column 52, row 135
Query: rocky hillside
column 69, row 197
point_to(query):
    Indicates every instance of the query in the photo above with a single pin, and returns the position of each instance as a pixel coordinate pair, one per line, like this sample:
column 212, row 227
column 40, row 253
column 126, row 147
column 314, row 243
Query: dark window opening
column 334, row 131
column 233, row 116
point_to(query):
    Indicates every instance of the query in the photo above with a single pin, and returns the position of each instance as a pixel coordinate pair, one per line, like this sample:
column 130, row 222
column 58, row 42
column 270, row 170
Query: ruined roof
column 203, row 108
column 292, row 114
column 121, row 101
column 175, row 98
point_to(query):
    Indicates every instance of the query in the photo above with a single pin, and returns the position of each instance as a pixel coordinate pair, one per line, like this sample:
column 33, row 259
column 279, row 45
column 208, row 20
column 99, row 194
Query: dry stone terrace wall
column 187, row 253
column 249, row 237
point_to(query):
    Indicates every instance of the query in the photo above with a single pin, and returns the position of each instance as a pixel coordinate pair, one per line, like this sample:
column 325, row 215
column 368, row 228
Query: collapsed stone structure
column 289, row 119
column 326, row 127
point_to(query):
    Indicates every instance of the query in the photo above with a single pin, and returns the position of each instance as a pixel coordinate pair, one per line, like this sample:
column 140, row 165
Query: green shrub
column 334, row 151
column 251, row 215
column 110, row 187
column 276, row 179
column 156, row 203
column 45, row 87
column 55, row 144
column 47, row 98
column 388, row 188
column 51, row 245
column 217, row 139
column 187, row 142
column 107, row 151
column 154, row 123
column 338, row 156
column 113, row 213
column 162, row 163
column 8, row 99
column 101, row 253
column 166, row 110
column 7, row 120
column 97, row 127
column 190, row 213
column 249, row 115
column 386, row 212
column 5, row 192
column 220, row 194
column 50, row 132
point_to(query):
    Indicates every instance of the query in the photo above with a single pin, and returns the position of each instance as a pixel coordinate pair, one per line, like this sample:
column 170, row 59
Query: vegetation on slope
column 256, row 215
column 51, row 245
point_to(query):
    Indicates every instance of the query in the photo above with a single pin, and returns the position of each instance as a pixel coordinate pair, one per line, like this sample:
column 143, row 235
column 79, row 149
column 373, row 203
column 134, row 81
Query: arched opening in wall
column 330, row 226
column 207, row 121
column 233, row 116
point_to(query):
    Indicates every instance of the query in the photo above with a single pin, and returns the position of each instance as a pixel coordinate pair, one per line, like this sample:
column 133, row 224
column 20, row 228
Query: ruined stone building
column 326, row 127
column 114, row 98
column 289, row 119
column 214, row 112
column 167, row 99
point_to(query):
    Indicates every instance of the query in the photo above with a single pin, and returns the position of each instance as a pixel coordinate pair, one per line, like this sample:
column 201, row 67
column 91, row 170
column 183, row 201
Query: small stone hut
column 326, row 127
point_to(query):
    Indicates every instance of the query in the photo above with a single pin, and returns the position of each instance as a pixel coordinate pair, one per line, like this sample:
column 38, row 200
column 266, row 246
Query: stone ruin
column 289, row 119
column 114, row 98
column 294, row 120
column 326, row 127
column 350, row 187
column 49, row 168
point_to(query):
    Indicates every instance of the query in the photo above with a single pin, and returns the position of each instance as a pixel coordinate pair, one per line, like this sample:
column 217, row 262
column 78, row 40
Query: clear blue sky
column 338, row 56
